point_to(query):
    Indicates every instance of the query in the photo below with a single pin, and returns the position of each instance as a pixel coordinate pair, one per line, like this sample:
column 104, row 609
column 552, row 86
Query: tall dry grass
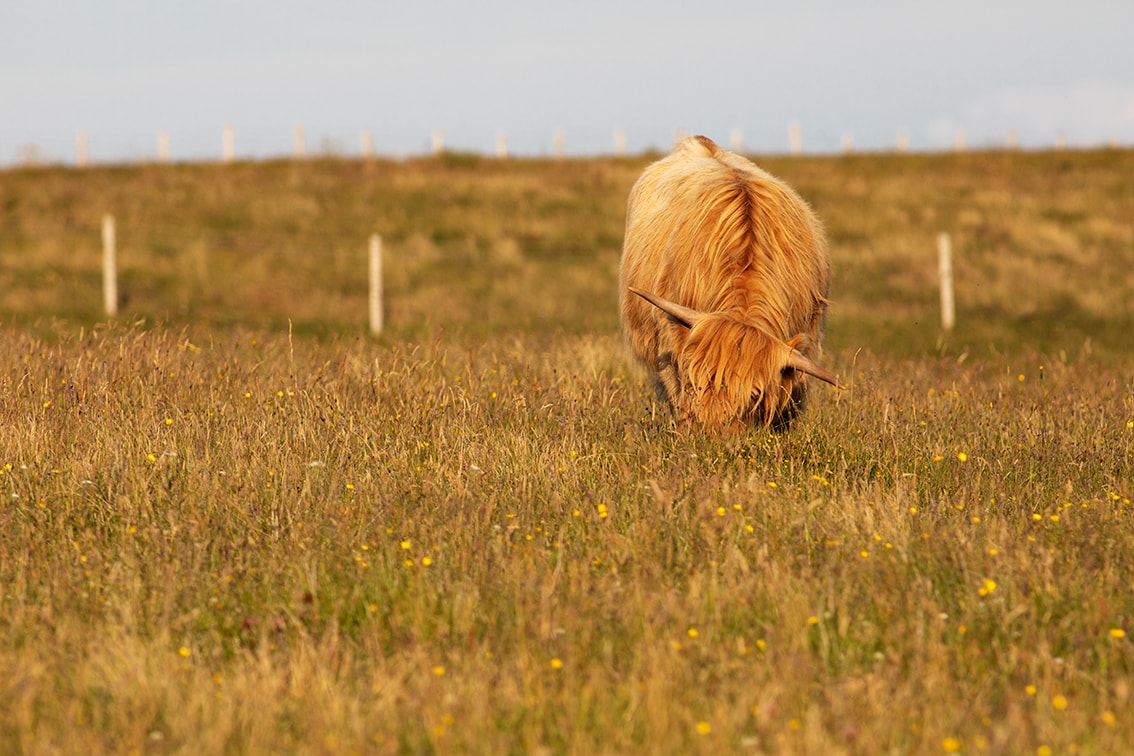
column 249, row 544
column 479, row 533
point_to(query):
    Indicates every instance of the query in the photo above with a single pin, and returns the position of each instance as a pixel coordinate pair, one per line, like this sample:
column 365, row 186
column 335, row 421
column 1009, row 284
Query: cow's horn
column 686, row 316
column 804, row 364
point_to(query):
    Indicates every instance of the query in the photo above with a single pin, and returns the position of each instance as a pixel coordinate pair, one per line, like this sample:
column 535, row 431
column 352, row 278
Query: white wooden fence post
column 501, row 144
column 300, row 143
column 903, row 141
column 375, row 284
column 620, row 142
column 367, row 144
column 559, row 139
column 229, row 145
column 109, row 267
column 163, row 147
column 736, row 139
column 438, row 142
column 81, row 149
column 945, row 270
column 795, row 139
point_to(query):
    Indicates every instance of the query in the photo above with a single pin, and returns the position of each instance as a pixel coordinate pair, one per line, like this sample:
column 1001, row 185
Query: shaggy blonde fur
column 709, row 230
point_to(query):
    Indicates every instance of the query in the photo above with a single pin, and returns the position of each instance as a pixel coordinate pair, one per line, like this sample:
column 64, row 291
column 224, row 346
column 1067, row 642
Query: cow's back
column 712, row 231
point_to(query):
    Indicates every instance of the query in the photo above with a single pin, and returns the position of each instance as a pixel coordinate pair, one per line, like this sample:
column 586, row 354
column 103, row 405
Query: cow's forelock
column 733, row 373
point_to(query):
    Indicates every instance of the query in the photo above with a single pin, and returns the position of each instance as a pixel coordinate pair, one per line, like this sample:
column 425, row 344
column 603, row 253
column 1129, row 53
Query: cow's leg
column 667, row 383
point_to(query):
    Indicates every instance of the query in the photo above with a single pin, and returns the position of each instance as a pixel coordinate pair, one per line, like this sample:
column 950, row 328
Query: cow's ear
column 680, row 314
column 797, row 360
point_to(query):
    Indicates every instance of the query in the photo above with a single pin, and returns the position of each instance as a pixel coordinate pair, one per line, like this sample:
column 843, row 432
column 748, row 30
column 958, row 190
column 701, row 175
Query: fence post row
column 437, row 143
column 110, row 276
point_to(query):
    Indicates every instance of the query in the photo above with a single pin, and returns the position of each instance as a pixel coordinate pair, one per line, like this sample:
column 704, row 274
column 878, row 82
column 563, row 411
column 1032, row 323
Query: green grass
column 219, row 533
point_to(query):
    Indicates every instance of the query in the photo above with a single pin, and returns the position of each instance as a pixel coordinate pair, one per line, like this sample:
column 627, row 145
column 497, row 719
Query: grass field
column 233, row 522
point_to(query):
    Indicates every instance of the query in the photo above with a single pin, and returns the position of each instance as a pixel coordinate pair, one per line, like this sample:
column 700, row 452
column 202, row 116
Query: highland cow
column 724, row 282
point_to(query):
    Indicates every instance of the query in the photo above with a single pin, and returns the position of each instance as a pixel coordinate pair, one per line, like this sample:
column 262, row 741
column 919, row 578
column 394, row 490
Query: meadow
column 233, row 521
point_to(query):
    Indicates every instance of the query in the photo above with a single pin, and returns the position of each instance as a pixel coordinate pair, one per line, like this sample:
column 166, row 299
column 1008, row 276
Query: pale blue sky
column 124, row 70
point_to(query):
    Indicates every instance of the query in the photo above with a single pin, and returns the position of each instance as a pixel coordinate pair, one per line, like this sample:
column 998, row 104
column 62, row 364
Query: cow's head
column 734, row 373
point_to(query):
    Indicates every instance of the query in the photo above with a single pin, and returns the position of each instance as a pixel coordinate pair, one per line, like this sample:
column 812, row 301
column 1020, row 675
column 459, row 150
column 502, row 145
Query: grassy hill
column 232, row 521
column 1043, row 243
